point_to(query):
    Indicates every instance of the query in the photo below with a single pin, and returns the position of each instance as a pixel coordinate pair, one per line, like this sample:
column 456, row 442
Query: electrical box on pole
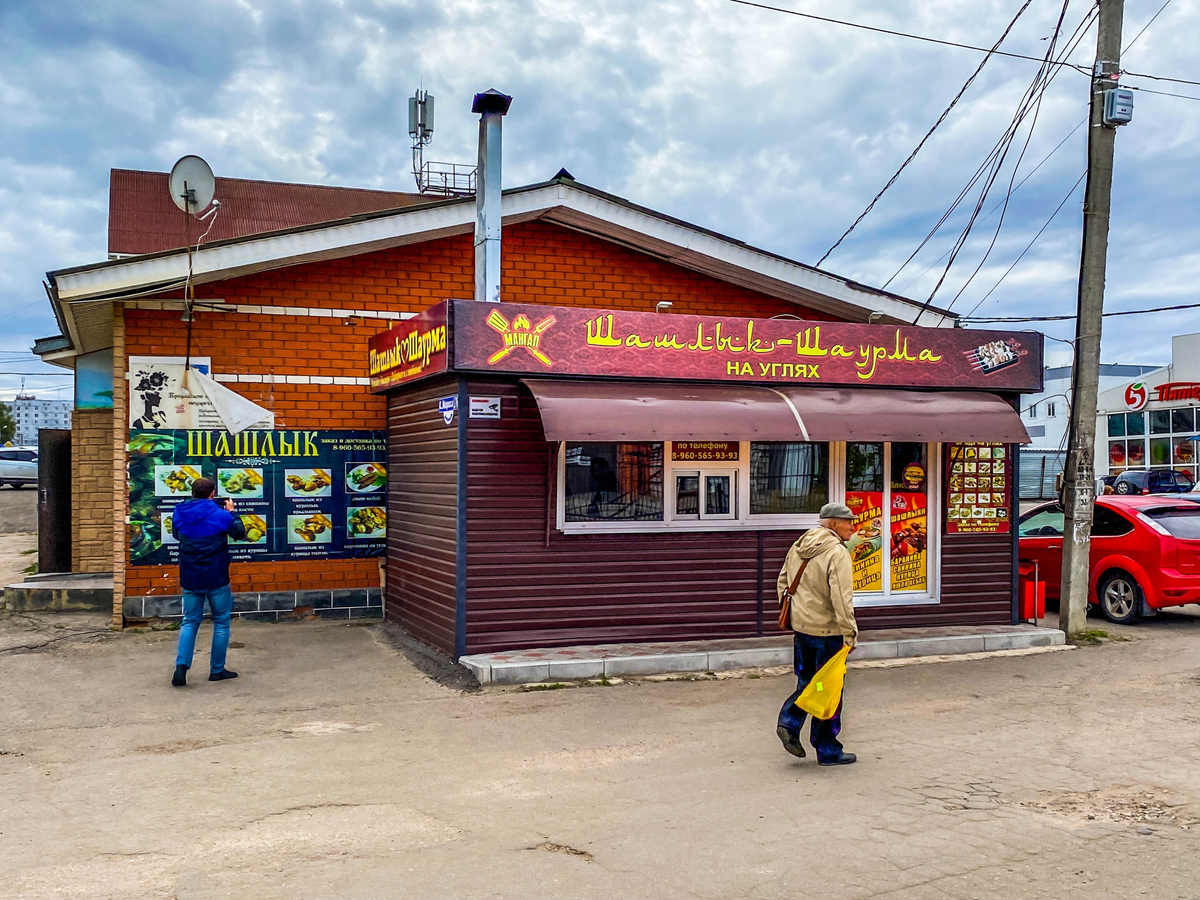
column 1118, row 106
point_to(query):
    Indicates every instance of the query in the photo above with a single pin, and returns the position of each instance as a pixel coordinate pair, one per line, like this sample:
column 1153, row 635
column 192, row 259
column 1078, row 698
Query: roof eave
column 562, row 201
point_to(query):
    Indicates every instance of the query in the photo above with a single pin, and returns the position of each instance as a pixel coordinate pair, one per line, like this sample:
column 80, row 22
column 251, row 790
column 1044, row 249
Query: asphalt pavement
column 333, row 768
column 18, row 510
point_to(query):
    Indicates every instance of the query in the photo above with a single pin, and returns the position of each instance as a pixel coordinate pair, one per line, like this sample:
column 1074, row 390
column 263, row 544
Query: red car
column 1144, row 547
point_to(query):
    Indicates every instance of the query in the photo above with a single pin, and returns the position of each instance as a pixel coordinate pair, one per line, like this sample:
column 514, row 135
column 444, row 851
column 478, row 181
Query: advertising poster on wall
column 866, row 545
column 301, row 494
column 977, row 489
column 910, row 540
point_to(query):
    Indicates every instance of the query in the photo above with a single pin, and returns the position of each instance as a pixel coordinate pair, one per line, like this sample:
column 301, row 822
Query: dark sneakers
column 844, row 760
column 791, row 743
column 222, row 675
column 179, row 679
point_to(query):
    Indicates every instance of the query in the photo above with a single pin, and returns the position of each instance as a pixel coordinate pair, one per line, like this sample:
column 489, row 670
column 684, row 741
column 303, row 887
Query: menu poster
column 866, row 544
column 977, row 489
column 300, row 494
column 910, row 541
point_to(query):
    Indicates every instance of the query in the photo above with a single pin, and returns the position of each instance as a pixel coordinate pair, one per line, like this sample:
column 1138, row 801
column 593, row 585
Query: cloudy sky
column 770, row 128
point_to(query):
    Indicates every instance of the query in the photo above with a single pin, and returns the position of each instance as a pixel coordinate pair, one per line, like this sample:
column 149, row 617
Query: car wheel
column 1122, row 487
column 17, row 485
column 1120, row 599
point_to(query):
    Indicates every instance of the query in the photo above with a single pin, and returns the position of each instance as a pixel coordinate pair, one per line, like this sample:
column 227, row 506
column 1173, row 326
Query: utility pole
column 1079, row 481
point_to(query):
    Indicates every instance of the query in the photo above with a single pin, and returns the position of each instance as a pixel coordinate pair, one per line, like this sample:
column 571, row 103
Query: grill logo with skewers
column 994, row 356
column 521, row 333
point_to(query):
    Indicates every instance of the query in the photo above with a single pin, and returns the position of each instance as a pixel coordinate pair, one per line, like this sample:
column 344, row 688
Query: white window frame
column 730, row 472
column 933, row 526
column 740, row 521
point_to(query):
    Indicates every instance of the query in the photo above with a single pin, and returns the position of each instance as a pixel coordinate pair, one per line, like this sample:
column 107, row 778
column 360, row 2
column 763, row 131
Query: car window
column 1047, row 523
column 6, row 455
column 25, row 455
column 1183, row 522
column 1106, row 523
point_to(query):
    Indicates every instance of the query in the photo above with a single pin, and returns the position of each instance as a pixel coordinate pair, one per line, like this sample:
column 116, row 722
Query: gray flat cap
column 836, row 511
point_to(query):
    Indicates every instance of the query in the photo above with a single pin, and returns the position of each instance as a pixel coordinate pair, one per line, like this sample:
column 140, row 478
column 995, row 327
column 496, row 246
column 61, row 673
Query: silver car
column 18, row 466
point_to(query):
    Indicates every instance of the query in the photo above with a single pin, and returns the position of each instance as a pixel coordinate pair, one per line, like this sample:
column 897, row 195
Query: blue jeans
column 220, row 601
column 809, row 654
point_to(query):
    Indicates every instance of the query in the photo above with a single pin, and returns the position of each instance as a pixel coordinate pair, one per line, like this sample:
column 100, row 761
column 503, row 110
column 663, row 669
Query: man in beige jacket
column 823, row 621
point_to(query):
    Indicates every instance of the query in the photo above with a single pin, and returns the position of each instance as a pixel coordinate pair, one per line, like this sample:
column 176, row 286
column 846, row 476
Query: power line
column 998, row 204
column 995, row 164
column 1124, row 312
column 1161, row 93
column 1043, row 72
column 1057, row 209
column 1144, row 27
column 989, row 160
column 904, row 34
column 928, row 134
column 1144, row 75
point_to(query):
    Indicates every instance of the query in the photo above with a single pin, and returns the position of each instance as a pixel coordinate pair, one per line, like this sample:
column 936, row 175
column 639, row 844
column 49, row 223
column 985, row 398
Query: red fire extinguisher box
column 1031, row 589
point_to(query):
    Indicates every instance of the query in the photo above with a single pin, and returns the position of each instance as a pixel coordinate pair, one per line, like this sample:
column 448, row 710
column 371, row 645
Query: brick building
column 284, row 313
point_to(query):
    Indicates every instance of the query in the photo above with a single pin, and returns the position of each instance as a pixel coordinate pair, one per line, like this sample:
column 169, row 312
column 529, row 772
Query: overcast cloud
column 769, row 128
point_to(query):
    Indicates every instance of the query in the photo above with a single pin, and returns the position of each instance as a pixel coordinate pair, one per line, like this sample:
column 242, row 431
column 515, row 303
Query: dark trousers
column 810, row 653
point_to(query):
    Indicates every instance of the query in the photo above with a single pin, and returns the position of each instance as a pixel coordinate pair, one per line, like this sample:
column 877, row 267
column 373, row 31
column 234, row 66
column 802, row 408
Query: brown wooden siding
column 422, row 515
column 532, row 586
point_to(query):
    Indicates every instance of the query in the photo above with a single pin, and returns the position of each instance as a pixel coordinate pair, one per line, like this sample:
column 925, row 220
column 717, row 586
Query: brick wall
column 91, row 490
column 542, row 263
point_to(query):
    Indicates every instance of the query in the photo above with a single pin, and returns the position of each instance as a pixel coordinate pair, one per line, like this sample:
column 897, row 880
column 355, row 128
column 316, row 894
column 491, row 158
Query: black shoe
column 179, row 679
column 222, row 675
column 790, row 743
column 844, row 760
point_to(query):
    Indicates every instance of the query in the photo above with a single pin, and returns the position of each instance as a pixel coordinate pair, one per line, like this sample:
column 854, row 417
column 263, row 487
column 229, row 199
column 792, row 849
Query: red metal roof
column 142, row 218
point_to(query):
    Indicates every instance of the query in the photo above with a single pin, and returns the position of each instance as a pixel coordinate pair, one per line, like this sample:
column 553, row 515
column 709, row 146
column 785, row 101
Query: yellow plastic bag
column 823, row 695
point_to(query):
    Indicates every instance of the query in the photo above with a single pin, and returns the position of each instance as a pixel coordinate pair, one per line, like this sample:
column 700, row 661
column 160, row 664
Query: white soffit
column 562, row 204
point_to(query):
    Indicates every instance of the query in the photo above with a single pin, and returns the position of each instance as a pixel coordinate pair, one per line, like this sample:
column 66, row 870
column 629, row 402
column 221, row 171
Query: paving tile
column 479, row 667
column 245, row 602
column 277, row 600
column 575, row 669
column 165, row 605
column 315, row 599
column 939, row 646
column 873, row 649
column 520, row 673
column 721, row 660
column 1045, row 637
column 654, row 665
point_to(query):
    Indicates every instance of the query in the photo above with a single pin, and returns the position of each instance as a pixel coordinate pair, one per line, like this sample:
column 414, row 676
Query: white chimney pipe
column 492, row 106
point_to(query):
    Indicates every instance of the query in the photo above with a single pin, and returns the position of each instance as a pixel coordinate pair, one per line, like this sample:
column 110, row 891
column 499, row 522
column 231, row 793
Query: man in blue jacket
column 203, row 526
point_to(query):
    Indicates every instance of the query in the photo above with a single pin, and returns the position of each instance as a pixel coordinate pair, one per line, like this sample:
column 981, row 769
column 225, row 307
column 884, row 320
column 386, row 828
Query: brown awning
column 660, row 411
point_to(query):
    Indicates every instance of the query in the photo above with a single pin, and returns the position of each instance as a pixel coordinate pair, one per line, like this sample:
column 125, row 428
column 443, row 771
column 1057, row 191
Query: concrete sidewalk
column 611, row 660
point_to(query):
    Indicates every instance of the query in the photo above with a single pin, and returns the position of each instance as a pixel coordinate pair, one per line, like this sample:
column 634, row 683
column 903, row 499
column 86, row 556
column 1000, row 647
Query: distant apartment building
column 1047, row 415
column 32, row 415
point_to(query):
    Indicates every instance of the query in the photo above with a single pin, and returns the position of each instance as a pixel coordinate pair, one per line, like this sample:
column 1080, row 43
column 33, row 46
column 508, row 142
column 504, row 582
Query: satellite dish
column 192, row 184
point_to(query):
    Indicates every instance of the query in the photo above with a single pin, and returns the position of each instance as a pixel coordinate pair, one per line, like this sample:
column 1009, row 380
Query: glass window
column 1117, row 458
column 1050, row 411
column 1183, row 452
column 1183, row 421
column 864, row 467
column 1160, row 451
column 1047, row 523
column 788, row 477
column 1106, row 523
column 614, row 482
column 1160, row 421
column 909, row 469
column 718, row 495
column 1181, row 522
column 687, row 494
column 1136, row 453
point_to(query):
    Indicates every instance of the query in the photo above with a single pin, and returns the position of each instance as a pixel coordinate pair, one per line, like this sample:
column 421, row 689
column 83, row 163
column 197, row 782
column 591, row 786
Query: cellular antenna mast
column 445, row 179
